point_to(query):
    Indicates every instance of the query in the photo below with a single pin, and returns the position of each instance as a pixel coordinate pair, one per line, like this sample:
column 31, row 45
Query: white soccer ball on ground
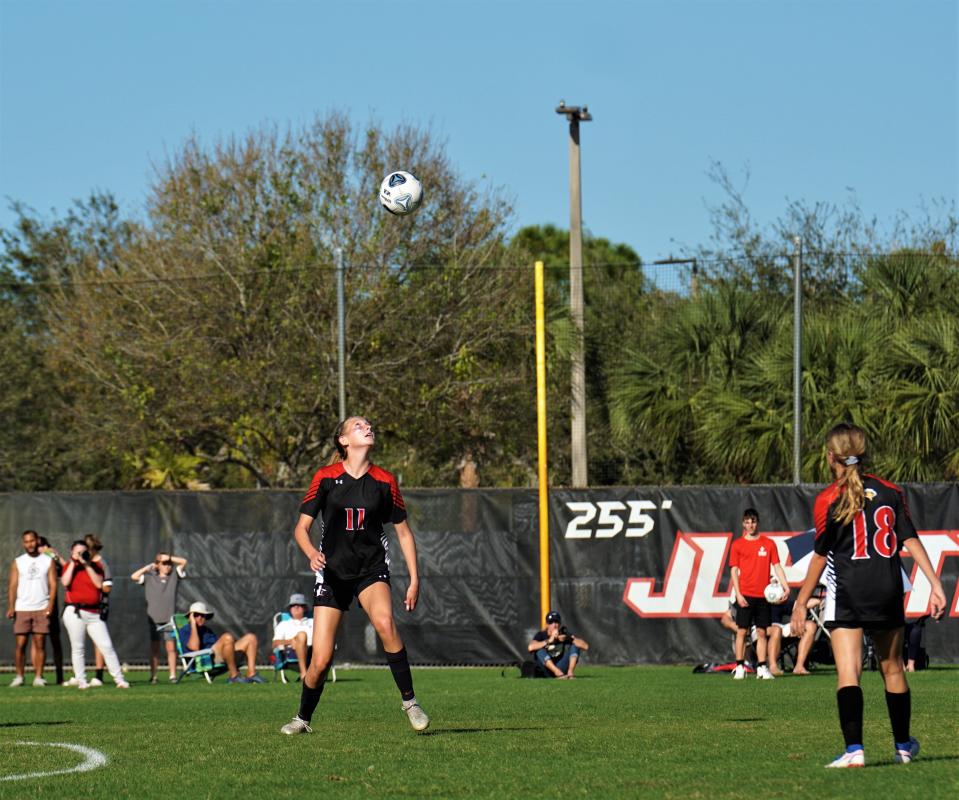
column 773, row 592
column 401, row 192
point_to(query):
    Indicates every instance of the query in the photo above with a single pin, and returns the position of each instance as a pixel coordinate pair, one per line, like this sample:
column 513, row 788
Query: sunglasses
column 165, row 563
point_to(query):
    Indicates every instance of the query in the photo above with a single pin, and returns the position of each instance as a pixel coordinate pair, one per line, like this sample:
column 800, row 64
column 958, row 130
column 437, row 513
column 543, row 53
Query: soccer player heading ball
column 355, row 499
column 861, row 522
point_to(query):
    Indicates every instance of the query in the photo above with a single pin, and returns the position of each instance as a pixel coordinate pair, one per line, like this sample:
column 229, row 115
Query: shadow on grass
column 30, row 724
column 445, row 731
column 745, row 719
column 919, row 759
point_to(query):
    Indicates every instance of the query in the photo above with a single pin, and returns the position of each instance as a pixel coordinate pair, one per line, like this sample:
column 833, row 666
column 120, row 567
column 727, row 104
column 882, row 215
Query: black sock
column 849, row 699
column 100, row 674
column 400, row 667
column 761, row 664
column 309, row 697
column 740, row 662
column 900, row 710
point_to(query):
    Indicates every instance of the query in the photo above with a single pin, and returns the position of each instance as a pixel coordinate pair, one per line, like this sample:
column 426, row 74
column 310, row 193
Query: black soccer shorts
column 757, row 613
column 338, row 593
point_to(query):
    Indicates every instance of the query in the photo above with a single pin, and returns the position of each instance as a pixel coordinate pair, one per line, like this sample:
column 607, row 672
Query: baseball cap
column 553, row 616
column 201, row 608
column 297, row 600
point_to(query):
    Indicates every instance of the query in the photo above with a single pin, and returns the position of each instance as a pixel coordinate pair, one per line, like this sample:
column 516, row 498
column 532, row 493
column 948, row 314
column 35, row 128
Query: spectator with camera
column 556, row 649
column 83, row 579
column 160, row 580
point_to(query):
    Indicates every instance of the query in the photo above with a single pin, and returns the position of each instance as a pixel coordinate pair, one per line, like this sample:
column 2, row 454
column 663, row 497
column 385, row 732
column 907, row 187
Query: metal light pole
column 797, row 358
column 340, row 327
column 575, row 115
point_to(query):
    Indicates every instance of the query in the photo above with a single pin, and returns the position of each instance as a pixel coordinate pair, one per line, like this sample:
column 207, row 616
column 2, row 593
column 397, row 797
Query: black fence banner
column 643, row 572
column 640, row 573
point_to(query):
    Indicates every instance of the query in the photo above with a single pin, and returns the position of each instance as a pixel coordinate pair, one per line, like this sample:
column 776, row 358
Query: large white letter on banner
column 691, row 585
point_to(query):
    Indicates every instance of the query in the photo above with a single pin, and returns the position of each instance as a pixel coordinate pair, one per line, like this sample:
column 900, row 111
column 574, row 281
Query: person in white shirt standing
column 296, row 633
column 31, row 594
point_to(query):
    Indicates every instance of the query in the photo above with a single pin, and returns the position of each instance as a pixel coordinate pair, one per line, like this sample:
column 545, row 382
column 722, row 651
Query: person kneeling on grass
column 197, row 636
column 555, row 649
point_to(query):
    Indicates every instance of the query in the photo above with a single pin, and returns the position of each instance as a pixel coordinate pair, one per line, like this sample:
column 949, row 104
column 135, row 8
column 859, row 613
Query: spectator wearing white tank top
column 31, row 593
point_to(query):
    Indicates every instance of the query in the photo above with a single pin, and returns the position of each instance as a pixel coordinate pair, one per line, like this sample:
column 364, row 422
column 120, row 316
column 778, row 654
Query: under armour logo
column 396, row 179
column 338, row 481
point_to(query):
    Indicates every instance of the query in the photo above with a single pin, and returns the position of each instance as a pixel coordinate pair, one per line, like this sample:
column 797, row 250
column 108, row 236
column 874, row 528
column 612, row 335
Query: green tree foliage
column 197, row 347
column 203, row 341
column 614, row 289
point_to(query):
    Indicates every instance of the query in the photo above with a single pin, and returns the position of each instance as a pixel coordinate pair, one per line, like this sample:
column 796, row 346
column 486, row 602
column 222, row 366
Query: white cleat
column 72, row 682
column 764, row 674
column 855, row 758
column 83, row 685
column 38, row 681
column 739, row 673
column 122, row 685
column 417, row 716
column 17, row 681
column 96, row 682
column 296, row 726
column 905, row 755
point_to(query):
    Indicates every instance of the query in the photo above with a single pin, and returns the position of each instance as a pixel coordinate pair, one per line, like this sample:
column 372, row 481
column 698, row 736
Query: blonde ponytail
column 847, row 443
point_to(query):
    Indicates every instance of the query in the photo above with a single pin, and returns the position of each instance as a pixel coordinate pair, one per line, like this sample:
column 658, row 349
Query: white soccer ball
column 401, row 192
column 773, row 592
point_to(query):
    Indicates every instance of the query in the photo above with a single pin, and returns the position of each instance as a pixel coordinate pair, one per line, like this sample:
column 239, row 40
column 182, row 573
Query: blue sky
column 821, row 99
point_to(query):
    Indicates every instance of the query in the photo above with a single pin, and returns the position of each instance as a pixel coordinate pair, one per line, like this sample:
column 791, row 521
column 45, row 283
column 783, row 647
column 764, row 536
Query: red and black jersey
column 353, row 512
column 863, row 568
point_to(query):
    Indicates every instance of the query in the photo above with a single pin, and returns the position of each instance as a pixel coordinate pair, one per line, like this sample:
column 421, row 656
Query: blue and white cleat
column 907, row 751
column 854, row 756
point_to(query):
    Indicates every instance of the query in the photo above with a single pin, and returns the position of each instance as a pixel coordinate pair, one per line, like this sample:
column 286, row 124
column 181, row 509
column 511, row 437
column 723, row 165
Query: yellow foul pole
column 541, row 444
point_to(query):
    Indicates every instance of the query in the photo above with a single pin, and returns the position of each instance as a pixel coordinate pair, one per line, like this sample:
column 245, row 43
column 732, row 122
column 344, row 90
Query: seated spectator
column 781, row 629
column 557, row 650
column 728, row 621
column 197, row 636
column 295, row 635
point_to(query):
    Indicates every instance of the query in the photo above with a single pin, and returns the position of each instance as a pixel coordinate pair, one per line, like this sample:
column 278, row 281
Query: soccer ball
column 773, row 592
column 401, row 193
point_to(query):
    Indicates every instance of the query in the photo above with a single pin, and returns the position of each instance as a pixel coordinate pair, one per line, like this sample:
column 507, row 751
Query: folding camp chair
column 196, row 662
column 284, row 657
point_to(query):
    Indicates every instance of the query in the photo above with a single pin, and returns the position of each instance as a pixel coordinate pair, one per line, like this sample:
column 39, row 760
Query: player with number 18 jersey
column 863, row 569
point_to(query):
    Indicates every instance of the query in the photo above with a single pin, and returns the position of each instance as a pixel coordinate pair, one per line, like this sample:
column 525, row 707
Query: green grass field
column 613, row 732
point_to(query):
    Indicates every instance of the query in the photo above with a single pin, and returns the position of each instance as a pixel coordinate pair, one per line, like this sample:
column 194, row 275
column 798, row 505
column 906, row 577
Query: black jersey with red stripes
column 863, row 567
column 353, row 512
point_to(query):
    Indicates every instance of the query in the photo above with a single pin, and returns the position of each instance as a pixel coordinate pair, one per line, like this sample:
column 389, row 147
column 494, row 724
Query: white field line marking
column 93, row 759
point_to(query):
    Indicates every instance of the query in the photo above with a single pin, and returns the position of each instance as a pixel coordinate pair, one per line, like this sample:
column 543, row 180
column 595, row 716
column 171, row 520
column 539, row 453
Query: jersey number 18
column 884, row 539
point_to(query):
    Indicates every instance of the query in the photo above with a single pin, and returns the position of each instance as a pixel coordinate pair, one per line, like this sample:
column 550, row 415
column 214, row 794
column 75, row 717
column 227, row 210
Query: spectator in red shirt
column 83, row 579
column 750, row 560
